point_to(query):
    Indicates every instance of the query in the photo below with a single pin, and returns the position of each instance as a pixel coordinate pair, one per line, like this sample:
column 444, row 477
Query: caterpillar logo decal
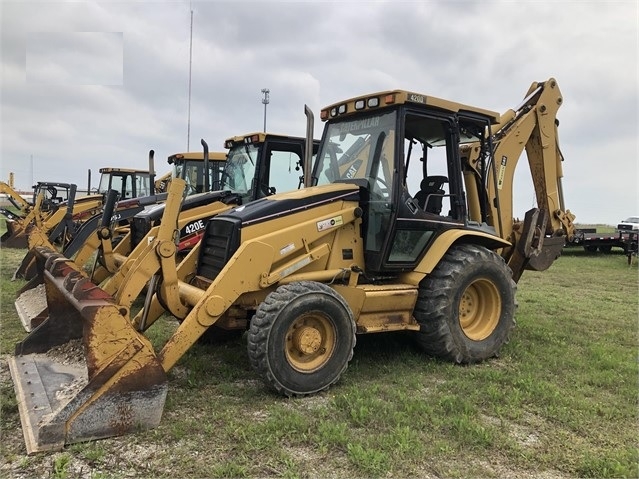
column 502, row 172
column 330, row 223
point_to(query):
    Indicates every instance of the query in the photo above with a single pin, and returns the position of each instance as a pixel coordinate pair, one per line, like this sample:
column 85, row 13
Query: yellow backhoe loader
column 15, row 199
column 116, row 213
column 58, row 213
column 42, row 211
column 253, row 160
column 361, row 251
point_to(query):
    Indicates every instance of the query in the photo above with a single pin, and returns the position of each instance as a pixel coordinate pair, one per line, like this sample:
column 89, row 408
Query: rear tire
column 301, row 338
column 466, row 305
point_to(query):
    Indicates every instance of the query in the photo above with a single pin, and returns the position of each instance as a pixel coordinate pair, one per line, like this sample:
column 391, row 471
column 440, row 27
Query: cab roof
column 124, row 170
column 257, row 137
column 384, row 99
column 197, row 155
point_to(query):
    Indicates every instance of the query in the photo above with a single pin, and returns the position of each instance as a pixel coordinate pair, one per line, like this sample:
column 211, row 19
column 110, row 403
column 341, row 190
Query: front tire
column 466, row 306
column 301, row 338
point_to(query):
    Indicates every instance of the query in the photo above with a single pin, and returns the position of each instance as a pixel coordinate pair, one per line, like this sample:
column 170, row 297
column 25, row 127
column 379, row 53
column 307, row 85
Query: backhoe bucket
column 84, row 373
column 15, row 236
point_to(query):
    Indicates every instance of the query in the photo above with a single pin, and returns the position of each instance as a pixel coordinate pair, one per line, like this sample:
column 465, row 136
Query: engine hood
column 286, row 203
column 155, row 212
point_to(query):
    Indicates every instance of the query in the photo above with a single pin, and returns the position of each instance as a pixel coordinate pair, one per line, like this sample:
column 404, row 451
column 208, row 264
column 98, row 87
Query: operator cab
column 403, row 150
column 262, row 164
column 190, row 168
column 129, row 183
column 53, row 194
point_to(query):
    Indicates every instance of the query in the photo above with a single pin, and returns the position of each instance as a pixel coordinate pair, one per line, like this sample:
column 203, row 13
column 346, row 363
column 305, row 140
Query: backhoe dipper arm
column 533, row 127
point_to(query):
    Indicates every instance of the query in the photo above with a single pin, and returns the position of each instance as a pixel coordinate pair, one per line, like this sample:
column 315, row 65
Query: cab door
column 428, row 148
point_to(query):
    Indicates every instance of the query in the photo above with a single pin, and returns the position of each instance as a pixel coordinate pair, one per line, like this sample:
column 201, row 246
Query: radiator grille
column 221, row 240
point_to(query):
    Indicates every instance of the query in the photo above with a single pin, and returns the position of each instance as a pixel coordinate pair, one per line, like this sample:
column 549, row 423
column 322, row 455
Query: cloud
column 481, row 53
column 81, row 58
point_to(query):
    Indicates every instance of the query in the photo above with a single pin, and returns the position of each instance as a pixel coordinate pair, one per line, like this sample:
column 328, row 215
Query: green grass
column 561, row 400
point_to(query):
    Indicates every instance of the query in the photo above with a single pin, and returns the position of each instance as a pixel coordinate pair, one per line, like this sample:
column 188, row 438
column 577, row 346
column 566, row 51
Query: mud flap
column 110, row 385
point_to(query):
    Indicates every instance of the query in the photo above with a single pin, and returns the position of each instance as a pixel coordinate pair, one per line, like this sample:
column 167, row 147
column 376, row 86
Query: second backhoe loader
column 46, row 211
column 306, row 271
column 253, row 160
column 117, row 213
column 57, row 212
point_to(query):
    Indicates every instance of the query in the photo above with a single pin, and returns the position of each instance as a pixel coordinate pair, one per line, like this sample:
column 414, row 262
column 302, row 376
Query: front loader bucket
column 31, row 299
column 84, row 373
column 28, row 267
column 15, row 236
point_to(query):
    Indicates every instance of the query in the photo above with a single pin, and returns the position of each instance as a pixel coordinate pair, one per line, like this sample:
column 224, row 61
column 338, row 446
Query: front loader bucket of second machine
column 15, row 236
column 28, row 268
column 84, row 373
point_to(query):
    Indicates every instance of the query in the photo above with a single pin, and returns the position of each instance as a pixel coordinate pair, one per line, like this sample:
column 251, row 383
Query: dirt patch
column 525, row 433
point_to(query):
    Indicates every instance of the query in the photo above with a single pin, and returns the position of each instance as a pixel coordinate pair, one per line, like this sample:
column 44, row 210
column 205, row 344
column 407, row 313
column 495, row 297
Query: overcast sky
column 87, row 85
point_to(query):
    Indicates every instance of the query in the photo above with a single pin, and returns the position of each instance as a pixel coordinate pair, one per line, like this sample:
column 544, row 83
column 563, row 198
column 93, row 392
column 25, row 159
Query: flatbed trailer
column 592, row 241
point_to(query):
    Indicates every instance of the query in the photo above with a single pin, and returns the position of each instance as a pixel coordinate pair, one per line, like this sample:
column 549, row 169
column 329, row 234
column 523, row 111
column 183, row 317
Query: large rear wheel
column 301, row 338
column 466, row 306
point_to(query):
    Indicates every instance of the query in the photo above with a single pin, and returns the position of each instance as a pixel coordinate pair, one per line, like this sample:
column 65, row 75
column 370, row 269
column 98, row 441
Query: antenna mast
column 188, row 127
column 265, row 100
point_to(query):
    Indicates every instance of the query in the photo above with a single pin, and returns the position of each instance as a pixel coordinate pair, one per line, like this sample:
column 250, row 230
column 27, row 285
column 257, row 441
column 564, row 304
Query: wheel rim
column 479, row 309
column 310, row 342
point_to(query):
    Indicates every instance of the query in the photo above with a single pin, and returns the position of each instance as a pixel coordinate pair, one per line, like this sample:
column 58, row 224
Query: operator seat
column 430, row 196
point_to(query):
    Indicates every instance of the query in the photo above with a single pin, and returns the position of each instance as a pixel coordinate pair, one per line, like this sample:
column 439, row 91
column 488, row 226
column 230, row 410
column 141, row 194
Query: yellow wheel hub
column 480, row 309
column 310, row 342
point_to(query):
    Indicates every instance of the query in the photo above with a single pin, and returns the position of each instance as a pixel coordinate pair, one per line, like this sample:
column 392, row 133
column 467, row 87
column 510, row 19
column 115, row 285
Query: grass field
column 560, row 401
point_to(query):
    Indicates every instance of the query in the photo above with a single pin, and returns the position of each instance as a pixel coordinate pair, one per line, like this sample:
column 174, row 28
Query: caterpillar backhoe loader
column 119, row 213
column 306, row 271
column 59, row 213
column 44, row 211
column 253, row 160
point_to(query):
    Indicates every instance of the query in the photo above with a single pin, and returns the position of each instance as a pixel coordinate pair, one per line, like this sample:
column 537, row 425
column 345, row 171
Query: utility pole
column 265, row 100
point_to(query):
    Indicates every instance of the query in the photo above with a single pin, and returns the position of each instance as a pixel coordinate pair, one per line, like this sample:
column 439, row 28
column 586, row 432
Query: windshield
column 191, row 171
column 358, row 149
column 178, row 170
column 127, row 184
column 142, row 185
column 239, row 170
column 50, row 193
column 105, row 183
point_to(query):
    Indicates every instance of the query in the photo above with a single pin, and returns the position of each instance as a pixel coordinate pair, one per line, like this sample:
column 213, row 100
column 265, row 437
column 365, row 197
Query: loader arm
column 18, row 229
column 148, row 258
column 256, row 268
column 14, row 197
